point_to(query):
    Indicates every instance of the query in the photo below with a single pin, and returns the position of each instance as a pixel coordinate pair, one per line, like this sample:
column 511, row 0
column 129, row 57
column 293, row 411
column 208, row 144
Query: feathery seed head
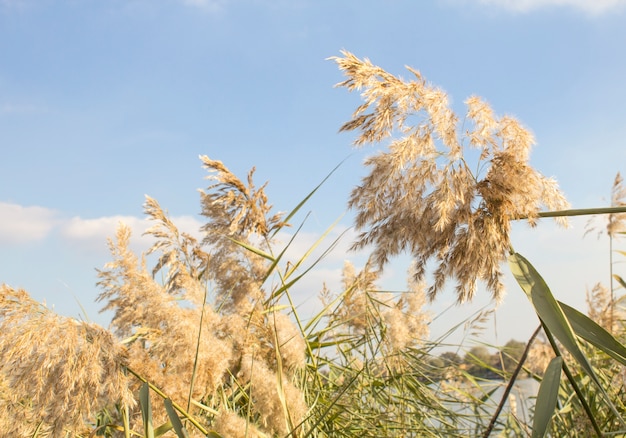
column 55, row 370
column 617, row 221
column 290, row 342
column 267, row 389
column 421, row 195
column 229, row 424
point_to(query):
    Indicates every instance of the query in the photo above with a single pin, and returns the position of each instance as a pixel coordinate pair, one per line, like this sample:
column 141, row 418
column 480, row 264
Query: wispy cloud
column 31, row 224
column 591, row 7
column 19, row 224
column 92, row 234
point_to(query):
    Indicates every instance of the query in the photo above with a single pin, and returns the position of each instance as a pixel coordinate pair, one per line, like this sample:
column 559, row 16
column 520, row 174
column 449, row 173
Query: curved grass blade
column 162, row 429
column 160, row 393
column 590, row 331
column 180, row 430
column 305, row 200
column 253, row 249
column 286, row 286
column 279, row 257
column 547, row 397
column 620, row 280
column 554, row 320
column 548, row 309
column 36, row 432
column 314, row 246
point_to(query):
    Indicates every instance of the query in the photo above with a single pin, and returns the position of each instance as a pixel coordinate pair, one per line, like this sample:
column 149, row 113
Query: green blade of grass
column 548, row 309
column 36, row 432
column 620, row 280
column 146, row 410
column 126, row 421
column 306, row 199
column 160, row 393
column 279, row 257
column 554, row 320
column 286, row 286
column 253, row 249
column 547, row 397
column 593, row 333
column 180, row 430
column 162, row 429
column 313, row 247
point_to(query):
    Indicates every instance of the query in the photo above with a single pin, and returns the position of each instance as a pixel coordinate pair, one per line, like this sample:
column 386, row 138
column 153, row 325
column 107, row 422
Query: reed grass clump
column 206, row 339
column 208, row 329
column 55, row 372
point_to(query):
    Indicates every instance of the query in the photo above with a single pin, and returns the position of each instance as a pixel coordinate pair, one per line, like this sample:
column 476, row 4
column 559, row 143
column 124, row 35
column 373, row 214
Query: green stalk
column 570, row 378
column 126, row 420
column 174, row 405
column 612, row 305
column 195, row 360
column 580, row 212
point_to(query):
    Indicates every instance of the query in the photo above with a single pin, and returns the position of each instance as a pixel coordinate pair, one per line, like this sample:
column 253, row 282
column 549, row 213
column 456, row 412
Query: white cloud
column 591, row 7
column 189, row 225
column 92, row 234
column 78, row 228
column 19, row 224
column 305, row 241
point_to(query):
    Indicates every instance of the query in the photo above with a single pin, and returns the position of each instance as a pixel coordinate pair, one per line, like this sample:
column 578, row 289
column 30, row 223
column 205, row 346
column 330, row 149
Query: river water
column 520, row 403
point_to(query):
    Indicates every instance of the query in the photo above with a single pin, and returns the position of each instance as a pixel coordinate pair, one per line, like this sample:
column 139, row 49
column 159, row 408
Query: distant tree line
column 478, row 361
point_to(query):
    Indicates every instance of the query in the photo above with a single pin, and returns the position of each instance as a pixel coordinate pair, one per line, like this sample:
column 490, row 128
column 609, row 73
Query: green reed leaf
column 554, row 320
column 620, row 280
column 253, row 249
column 547, row 397
column 307, row 197
column 548, row 309
column 146, row 410
column 180, row 430
column 590, row 331
column 162, row 429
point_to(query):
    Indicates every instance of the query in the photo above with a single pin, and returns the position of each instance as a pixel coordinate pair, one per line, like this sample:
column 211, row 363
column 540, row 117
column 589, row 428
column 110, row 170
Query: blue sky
column 104, row 102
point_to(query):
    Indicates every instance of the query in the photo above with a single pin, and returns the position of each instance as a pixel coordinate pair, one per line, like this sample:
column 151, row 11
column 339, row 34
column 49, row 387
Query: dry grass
column 199, row 326
column 195, row 334
column 212, row 326
column 55, row 372
column 423, row 196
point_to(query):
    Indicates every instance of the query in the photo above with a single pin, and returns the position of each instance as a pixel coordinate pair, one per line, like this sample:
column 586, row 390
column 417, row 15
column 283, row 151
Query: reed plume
column 421, row 194
column 236, row 213
column 617, row 222
column 191, row 333
column 55, row 372
column 602, row 309
column 398, row 322
column 162, row 323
